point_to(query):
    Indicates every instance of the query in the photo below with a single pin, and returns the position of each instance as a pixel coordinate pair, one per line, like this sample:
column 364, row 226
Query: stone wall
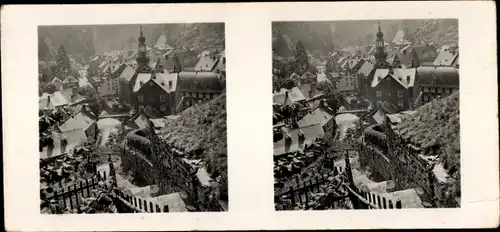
column 156, row 162
column 389, row 157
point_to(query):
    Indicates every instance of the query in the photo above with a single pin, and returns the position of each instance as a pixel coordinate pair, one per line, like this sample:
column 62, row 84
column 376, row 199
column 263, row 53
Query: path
column 345, row 121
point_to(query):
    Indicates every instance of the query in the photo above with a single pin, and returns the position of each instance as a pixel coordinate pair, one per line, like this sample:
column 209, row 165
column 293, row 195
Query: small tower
column 380, row 53
column 142, row 58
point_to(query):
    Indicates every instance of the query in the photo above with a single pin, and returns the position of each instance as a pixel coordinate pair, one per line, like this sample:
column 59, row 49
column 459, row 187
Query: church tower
column 380, row 53
column 142, row 58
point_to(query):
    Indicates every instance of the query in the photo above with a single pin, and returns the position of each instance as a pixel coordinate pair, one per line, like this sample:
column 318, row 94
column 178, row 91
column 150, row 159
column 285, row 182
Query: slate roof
column 365, row 69
column 127, row 73
column 444, row 76
column 427, row 53
column 200, row 81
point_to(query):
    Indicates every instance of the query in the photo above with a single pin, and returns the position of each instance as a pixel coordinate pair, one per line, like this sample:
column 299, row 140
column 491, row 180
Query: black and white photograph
column 132, row 118
column 366, row 114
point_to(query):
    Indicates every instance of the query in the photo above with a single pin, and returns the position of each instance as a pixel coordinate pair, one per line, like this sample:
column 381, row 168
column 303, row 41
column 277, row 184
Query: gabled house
column 307, row 78
column 126, row 79
column 297, row 139
column 426, row 54
column 362, row 76
column 51, row 102
column 70, row 82
column 57, row 83
column 310, row 92
column 156, row 90
column 288, row 97
column 394, row 85
column 62, row 143
column 178, row 61
column 378, row 114
column 83, row 122
column 206, row 63
column 447, row 57
column 322, row 115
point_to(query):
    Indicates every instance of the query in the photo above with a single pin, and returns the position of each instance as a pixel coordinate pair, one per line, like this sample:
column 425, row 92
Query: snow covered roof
column 50, row 101
column 167, row 81
column 404, row 76
column 78, row 121
column 318, row 116
column 310, row 133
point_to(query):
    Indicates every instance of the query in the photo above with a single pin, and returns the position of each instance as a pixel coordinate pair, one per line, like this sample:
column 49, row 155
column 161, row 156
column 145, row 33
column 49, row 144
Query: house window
column 400, row 103
column 425, row 89
column 162, row 98
column 162, row 108
column 379, row 94
column 140, row 98
column 433, row 90
column 440, row 90
column 400, row 93
column 426, row 98
column 447, row 90
column 151, row 99
column 388, row 94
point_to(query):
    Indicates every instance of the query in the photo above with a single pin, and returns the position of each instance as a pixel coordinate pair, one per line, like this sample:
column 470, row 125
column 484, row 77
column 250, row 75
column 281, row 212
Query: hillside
column 202, row 130
column 323, row 37
column 435, row 127
column 439, row 32
column 84, row 41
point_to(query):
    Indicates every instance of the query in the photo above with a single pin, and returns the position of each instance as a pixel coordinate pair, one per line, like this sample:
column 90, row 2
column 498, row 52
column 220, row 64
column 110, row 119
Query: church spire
column 380, row 54
column 142, row 59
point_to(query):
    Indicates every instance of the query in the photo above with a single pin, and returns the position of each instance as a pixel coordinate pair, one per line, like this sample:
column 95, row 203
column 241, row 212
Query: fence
column 72, row 196
column 373, row 201
column 131, row 204
column 303, row 191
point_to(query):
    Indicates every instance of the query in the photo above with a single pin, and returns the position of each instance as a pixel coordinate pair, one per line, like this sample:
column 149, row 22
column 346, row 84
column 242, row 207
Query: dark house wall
column 388, row 89
column 151, row 94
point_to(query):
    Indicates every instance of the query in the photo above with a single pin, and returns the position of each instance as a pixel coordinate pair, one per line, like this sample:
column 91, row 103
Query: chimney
column 170, row 84
column 391, row 71
column 301, row 137
column 64, row 142
column 141, row 83
column 407, row 79
column 286, row 97
column 412, row 64
column 153, row 74
column 288, row 140
column 404, row 51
